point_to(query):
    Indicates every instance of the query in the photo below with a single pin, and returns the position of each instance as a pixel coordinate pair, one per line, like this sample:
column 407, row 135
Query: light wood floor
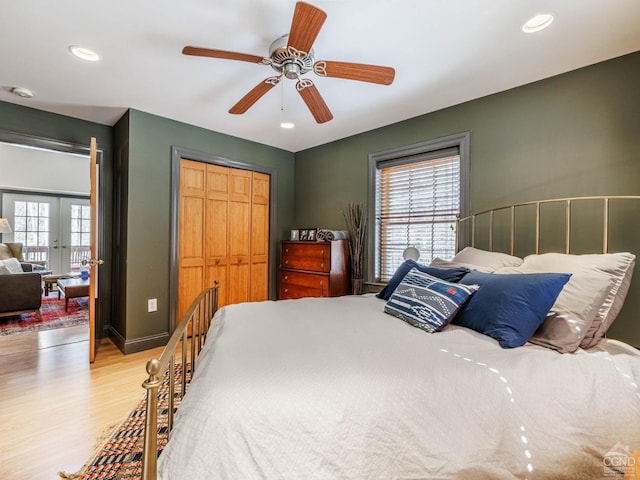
column 54, row 404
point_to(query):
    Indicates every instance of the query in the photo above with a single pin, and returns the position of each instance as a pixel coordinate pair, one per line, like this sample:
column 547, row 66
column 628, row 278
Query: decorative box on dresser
column 314, row 269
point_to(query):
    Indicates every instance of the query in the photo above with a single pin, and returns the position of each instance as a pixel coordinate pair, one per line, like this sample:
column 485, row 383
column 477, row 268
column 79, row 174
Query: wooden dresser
column 314, row 269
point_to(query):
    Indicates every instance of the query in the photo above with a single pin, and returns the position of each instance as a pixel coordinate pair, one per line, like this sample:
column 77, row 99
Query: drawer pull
column 286, row 290
column 322, row 265
column 286, row 277
column 286, row 262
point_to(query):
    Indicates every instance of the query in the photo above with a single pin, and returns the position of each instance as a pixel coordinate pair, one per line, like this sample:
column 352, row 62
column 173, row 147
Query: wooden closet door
column 224, row 233
column 191, row 252
column 217, row 233
column 239, row 238
column 259, row 261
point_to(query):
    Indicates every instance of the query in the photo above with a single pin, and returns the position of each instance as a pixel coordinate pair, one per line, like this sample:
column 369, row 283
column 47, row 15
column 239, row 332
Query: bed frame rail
column 568, row 203
column 187, row 340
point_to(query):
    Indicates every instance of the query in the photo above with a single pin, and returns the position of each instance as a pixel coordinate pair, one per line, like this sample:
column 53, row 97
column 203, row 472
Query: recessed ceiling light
column 287, row 125
column 537, row 23
column 84, row 53
column 21, row 92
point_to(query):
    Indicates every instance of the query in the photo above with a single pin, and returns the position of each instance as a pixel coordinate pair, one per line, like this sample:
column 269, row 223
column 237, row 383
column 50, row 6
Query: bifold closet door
column 224, row 233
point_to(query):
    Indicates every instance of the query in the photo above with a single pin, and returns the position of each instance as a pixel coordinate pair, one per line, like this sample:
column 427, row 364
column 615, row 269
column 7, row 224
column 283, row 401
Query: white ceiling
column 444, row 51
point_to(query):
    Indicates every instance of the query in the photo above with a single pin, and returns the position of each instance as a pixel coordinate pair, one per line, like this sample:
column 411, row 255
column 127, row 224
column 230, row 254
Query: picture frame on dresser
column 295, row 235
column 308, row 234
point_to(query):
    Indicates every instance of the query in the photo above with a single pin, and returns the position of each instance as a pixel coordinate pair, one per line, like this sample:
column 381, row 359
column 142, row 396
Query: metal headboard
column 568, row 202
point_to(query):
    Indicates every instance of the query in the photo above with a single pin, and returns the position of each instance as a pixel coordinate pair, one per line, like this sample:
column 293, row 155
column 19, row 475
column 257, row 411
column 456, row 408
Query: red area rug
column 120, row 456
column 53, row 316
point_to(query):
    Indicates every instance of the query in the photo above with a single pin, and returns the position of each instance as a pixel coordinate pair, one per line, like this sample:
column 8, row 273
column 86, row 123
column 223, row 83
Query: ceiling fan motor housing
column 288, row 61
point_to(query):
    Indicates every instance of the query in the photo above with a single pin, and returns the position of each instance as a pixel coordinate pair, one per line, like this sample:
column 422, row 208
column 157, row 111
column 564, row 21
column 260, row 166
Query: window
column 31, row 228
column 419, row 191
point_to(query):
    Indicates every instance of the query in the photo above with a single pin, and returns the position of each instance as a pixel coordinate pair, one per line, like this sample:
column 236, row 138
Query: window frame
column 406, row 155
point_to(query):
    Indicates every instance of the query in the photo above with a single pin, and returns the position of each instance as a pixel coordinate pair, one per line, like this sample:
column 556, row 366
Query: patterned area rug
column 53, row 316
column 120, row 456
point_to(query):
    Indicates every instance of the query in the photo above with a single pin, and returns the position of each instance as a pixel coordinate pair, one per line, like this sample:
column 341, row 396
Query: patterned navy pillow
column 448, row 274
column 427, row 302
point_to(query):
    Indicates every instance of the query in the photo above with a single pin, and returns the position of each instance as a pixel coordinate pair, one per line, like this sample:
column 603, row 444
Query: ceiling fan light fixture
column 287, row 125
column 84, row 53
column 537, row 23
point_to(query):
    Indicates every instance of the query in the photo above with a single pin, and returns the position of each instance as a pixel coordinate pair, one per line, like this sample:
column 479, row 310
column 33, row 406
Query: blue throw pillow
column 510, row 307
column 427, row 302
column 447, row 274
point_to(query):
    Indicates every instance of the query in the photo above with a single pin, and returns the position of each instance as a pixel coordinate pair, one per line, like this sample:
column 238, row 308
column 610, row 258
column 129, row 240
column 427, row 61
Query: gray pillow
column 616, row 267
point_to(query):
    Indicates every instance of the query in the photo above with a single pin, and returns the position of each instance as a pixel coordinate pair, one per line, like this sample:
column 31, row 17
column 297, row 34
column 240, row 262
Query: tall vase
column 356, row 286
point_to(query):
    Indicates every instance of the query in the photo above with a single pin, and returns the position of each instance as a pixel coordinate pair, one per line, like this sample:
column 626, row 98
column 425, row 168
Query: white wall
column 26, row 168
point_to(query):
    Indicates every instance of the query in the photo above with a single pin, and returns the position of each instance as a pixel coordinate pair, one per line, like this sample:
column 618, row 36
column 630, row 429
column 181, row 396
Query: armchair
column 20, row 293
column 14, row 250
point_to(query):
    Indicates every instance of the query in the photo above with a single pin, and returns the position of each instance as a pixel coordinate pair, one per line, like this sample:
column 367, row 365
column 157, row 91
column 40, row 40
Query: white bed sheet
column 336, row 389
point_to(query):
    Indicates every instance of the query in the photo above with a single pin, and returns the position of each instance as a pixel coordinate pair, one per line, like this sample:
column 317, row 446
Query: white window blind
column 417, row 202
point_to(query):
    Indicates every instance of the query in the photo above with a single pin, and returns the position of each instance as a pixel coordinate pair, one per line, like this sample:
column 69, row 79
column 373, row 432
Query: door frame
column 85, row 150
column 178, row 153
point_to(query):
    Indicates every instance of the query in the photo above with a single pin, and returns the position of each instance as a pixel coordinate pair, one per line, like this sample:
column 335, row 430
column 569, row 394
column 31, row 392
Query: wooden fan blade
column 314, row 101
column 254, row 95
column 355, row 71
column 305, row 26
column 210, row 52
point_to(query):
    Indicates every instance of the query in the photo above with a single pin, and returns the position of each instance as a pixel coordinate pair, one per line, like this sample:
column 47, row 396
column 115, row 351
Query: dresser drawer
column 310, row 249
column 310, row 280
column 289, row 291
column 313, row 264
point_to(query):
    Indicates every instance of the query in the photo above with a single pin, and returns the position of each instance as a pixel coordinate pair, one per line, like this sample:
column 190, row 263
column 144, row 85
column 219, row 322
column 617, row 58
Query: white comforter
column 336, row 389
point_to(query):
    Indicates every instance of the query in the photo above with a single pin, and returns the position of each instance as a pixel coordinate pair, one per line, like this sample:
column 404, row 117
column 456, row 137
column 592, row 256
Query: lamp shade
column 4, row 226
column 411, row 253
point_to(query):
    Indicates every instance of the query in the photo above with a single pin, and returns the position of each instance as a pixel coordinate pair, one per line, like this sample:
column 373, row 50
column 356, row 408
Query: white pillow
column 484, row 260
column 11, row 265
column 616, row 268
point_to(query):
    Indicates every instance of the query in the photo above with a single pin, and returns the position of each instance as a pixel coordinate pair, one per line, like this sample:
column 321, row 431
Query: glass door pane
column 79, row 230
column 34, row 219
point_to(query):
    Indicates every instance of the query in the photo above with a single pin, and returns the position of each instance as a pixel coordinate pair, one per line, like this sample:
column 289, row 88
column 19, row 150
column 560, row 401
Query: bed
column 347, row 388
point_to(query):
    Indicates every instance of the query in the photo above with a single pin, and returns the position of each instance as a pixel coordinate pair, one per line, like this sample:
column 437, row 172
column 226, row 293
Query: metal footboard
column 187, row 340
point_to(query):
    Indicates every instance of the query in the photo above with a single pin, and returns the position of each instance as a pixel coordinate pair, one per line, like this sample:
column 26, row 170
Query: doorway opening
column 44, row 195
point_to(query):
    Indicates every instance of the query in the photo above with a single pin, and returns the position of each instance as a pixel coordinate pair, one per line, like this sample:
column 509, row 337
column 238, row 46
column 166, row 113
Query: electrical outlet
column 152, row 305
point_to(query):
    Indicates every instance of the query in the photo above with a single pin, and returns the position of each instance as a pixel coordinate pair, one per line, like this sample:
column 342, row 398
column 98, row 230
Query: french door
column 54, row 230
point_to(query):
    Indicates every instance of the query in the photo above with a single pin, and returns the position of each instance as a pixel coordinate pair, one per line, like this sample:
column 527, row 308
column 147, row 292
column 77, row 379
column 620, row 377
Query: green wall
column 149, row 201
column 571, row 135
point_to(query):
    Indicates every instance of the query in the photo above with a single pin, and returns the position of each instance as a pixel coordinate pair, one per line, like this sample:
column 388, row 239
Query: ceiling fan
column 292, row 56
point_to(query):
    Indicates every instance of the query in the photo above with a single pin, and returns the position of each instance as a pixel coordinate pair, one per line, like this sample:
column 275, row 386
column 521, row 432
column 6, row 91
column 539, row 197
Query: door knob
column 92, row 262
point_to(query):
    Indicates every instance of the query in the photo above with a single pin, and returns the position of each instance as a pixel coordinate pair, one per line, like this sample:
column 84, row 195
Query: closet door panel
column 259, row 274
column 191, row 247
column 238, row 282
